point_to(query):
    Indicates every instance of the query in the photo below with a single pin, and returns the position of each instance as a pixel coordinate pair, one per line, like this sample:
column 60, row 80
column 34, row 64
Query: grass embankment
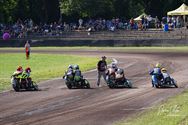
column 123, row 49
column 43, row 66
column 173, row 112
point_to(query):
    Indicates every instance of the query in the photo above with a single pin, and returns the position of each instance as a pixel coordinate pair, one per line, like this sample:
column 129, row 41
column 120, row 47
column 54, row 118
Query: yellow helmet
column 158, row 65
column 163, row 69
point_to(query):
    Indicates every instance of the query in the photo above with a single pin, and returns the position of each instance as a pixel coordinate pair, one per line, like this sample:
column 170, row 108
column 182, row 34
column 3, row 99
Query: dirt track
column 56, row 105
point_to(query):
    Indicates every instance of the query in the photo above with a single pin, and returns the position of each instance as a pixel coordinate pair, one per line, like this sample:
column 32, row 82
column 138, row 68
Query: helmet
column 70, row 66
column 28, row 69
column 158, row 65
column 103, row 57
column 114, row 65
column 76, row 67
column 19, row 68
column 163, row 69
column 120, row 71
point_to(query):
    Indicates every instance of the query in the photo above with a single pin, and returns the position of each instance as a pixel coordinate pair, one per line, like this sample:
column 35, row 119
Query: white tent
column 139, row 18
column 182, row 10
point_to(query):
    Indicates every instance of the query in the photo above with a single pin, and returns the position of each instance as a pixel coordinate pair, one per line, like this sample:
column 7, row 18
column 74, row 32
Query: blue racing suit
column 156, row 75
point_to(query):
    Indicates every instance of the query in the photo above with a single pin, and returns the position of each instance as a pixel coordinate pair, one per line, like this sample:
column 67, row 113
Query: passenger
column 156, row 74
column 165, row 74
column 77, row 74
column 26, row 76
column 69, row 74
column 120, row 75
column 111, row 71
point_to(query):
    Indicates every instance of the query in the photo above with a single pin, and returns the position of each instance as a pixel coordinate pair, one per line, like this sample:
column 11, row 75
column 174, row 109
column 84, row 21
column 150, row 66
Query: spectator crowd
column 22, row 29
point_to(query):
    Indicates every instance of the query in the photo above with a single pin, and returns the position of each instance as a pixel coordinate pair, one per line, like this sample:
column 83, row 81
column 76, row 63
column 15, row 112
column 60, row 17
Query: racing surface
column 57, row 105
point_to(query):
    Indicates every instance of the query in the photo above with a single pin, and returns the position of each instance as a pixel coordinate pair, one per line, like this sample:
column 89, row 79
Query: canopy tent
column 182, row 10
column 139, row 18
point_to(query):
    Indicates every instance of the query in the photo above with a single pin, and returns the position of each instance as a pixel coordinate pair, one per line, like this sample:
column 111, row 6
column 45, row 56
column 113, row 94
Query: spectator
column 144, row 23
column 131, row 22
column 174, row 21
column 157, row 22
column 80, row 21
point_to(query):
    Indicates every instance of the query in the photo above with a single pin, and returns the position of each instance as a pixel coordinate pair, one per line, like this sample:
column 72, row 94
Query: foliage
column 6, row 9
column 118, row 8
column 87, row 8
column 46, row 11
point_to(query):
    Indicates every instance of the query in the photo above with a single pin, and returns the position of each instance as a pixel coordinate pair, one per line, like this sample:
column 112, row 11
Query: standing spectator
column 101, row 67
column 140, row 25
column 30, row 23
column 169, row 20
column 131, row 22
column 164, row 21
column 157, row 22
column 149, row 20
column 27, row 49
column 174, row 21
column 80, row 21
column 178, row 22
column 144, row 23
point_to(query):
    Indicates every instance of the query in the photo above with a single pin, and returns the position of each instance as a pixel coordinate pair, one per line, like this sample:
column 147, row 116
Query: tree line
column 45, row 11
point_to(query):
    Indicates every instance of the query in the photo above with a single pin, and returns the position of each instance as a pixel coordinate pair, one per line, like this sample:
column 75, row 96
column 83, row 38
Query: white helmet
column 70, row 66
column 114, row 65
column 76, row 67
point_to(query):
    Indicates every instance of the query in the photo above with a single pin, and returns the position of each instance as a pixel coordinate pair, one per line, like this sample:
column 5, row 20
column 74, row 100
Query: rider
column 17, row 75
column 18, row 71
column 77, row 73
column 114, row 66
column 156, row 74
column 69, row 74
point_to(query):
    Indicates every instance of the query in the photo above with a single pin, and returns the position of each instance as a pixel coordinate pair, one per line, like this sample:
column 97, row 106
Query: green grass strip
column 173, row 112
column 123, row 49
column 43, row 66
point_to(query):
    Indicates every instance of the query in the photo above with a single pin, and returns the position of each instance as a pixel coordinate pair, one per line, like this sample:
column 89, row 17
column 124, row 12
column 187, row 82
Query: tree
column 44, row 11
column 87, row 8
column 135, row 9
column 21, row 11
column 6, row 9
column 51, row 10
column 121, row 8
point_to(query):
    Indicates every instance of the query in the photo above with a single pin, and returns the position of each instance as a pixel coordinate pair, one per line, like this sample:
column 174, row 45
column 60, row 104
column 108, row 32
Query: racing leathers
column 77, row 75
column 156, row 76
column 69, row 75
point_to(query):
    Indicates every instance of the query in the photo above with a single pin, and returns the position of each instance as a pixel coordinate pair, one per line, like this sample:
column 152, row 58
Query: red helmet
column 28, row 69
column 19, row 68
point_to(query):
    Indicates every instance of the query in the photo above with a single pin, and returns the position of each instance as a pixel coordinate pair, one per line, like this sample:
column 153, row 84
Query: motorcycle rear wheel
column 129, row 84
column 87, row 83
column 69, row 86
column 16, row 88
column 35, row 86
